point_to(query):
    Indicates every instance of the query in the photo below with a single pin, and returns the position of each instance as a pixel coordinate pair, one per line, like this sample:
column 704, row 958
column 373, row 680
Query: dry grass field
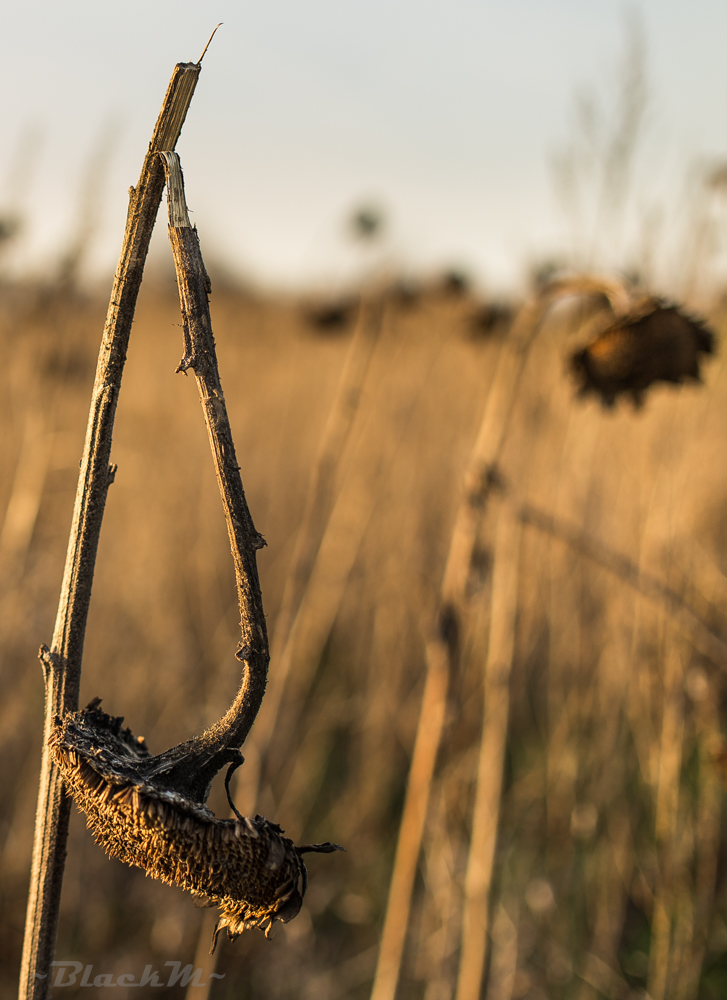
column 610, row 874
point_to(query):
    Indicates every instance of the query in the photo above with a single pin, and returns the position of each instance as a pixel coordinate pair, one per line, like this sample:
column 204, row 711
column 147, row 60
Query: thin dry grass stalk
column 320, row 493
column 355, row 503
column 88, row 213
column 326, row 546
column 315, row 523
column 661, row 958
column 320, row 498
column 611, row 875
column 496, row 698
column 62, row 662
column 701, row 690
column 700, row 635
column 22, row 510
column 503, row 961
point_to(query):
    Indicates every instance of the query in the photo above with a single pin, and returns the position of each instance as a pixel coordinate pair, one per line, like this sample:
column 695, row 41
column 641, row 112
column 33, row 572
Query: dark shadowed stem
column 191, row 767
column 62, row 662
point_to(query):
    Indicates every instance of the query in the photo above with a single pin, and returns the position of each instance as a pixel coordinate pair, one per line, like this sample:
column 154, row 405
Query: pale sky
column 447, row 113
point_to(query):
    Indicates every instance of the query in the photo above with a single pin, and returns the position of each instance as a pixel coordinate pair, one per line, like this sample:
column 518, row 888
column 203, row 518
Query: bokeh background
column 455, row 156
column 449, row 114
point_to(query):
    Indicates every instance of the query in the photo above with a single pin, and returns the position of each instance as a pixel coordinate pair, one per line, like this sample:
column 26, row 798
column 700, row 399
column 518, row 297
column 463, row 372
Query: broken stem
column 62, row 662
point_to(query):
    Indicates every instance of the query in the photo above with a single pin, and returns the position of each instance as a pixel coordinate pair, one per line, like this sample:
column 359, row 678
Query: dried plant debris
column 491, row 318
column 367, row 222
column 405, row 292
column 455, row 282
column 331, row 317
column 245, row 866
column 654, row 342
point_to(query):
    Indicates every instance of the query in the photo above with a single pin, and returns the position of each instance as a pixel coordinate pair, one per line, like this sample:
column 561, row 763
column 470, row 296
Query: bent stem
column 149, row 811
column 62, row 662
column 190, row 767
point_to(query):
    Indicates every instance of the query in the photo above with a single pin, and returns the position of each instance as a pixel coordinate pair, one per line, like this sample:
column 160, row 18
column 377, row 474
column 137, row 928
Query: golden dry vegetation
column 609, row 868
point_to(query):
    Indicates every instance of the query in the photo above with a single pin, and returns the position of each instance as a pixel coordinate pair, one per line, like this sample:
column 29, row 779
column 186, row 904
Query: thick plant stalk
column 438, row 652
column 411, row 830
column 62, row 662
column 496, row 419
column 478, row 482
column 149, row 810
column 496, row 694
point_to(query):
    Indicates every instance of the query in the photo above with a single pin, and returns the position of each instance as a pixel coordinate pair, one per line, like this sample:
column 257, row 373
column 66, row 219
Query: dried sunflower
column 245, row 866
column 654, row 342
